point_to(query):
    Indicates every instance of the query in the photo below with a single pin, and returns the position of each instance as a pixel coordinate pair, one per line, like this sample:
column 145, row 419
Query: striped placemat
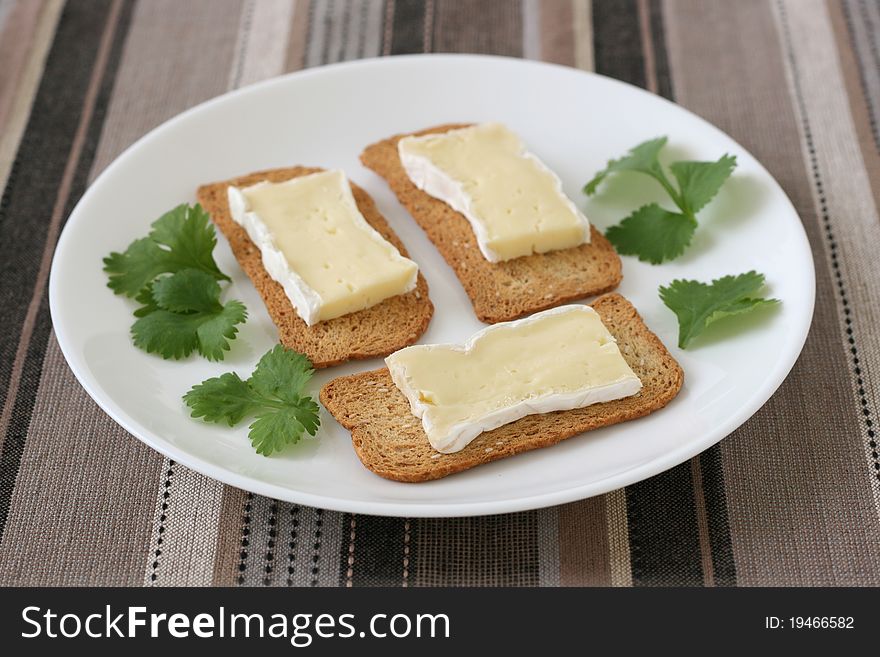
column 793, row 497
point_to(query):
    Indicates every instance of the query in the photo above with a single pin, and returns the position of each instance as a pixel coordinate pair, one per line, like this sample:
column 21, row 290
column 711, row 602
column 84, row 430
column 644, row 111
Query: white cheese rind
column 307, row 300
column 436, row 182
column 459, row 435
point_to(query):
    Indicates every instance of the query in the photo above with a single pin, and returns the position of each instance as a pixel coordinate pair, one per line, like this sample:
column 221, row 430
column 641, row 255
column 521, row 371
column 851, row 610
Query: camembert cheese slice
column 513, row 202
column 316, row 243
column 556, row 360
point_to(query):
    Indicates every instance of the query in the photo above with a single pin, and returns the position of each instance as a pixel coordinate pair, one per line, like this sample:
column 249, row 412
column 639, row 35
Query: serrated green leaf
column 188, row 233
column 189, row 290
column 181, row 311
column 307, row 414
column 180, row 239
column 171, row 335
column 653, row 234
column 225, row 398
column 641, row 159
column 699, row 182
column 272, row 432
column 130, row 271
column 738, row 308
column 667, row 234
column 272, row 395
column 145, row 298
column 281, row 373
column 204, row 325
column 697, row 304
column 218, row 329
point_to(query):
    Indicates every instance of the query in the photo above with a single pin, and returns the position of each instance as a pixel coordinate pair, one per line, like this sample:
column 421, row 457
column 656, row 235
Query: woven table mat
column 791, row 498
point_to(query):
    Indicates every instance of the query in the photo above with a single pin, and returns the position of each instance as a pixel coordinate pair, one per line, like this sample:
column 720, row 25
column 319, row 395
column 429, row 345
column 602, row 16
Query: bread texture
column 505, row 290
column 376, row 331
column 390, row 441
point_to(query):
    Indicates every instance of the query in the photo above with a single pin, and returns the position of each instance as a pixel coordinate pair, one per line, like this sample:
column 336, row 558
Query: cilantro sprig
column 698, row 305
column 653, row 233
column 273, row 395
column 173, row 275
column 182, row 238
column 183, row 313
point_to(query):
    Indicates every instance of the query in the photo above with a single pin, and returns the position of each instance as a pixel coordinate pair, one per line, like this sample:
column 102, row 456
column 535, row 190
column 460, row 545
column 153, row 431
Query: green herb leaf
column 273, row 395
column 183, row 313
column 281, row 373
column 699, row 182
column 183, row 238
column 171, row 335
column 131, row 271
column 641, row 159
column 697, row 305
column 217, row 329
column 225, row 398
column 653, row 234
column 145, row 298
column 272, row 432
column 189, row 290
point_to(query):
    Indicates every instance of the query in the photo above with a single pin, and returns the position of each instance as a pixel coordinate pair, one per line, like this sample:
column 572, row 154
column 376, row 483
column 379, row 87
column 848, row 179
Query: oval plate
column 574, row 121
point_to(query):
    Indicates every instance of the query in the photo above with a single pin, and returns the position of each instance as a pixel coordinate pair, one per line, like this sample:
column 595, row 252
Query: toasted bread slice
column 390, row 441
column 377, row 331
column 505, row 290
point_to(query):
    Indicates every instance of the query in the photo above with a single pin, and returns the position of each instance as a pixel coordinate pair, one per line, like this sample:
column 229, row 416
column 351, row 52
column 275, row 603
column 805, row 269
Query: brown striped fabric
column 27, row 30
column 791, row 498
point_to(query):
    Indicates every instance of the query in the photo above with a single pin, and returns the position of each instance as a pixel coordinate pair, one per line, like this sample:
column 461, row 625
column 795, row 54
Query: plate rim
column 625, row 477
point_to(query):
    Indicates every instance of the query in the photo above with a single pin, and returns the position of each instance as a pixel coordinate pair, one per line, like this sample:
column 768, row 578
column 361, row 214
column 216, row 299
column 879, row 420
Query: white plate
column 574, row 121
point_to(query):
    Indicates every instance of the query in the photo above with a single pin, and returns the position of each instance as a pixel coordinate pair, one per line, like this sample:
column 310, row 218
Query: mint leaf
column 274, row 395
column 697, row 305
column 699, row 182
column 653, row 234
column 180, row 239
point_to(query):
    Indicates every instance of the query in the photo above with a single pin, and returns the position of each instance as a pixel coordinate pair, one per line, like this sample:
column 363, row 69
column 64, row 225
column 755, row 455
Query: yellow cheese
column 315, row 242
column 555, row 360
column 514, row 203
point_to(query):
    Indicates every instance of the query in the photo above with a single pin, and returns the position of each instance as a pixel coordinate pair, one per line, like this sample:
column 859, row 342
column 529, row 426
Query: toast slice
column 390, row 441
column 505, row 290
column 376, row 331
